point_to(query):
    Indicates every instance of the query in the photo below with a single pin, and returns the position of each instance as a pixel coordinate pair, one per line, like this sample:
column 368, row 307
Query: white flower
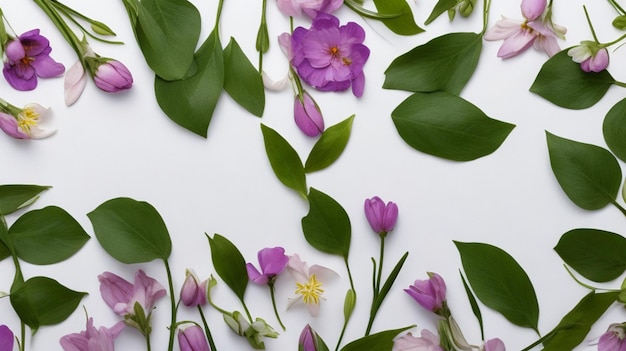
column 309, row 288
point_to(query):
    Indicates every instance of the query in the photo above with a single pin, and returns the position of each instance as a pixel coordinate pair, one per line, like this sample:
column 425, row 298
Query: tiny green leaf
column 474, row 304
column 16, row 196
column 47, row 236
column 131, row 231
column 444, row 125
column 444, row 63
column 101, row 28
column 348, row 304
column 262, row 38
column 284, row 160
column 403, row 24
column 614, row 129
column 589, row 175
column 329, row 146
column 441, row 7
column 562, row 82
column 500, row 283
column 375, row 342
column 242, row 81
column 229, row 264
column 327, row 226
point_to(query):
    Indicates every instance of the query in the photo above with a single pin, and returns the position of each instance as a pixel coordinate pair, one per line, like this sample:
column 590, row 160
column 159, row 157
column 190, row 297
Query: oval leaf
column 229, row 264
column 562, row 82
column 441, row 7
column 44, row 301
column 596, row 254
column 500, row 283
column 614, row 129
column 47, row 236
column 329, row 146
column 242, row 81
column 444, row 63
column 589, row 175
column 190, row 102
column 327, row 226
column 375, row 342
column 284, row 160
column 16, row 196
column 403, row 24
column 131, row 231
column 444, row 125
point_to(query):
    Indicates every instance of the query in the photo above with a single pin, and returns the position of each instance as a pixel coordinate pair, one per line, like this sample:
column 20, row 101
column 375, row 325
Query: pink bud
column 8, row 124
column 307, row 115
column 597, row 63
column 192, row 339
column 430, row 293
column 382, row 218
column 112, row 76
column 532, row 9
column 193, row 292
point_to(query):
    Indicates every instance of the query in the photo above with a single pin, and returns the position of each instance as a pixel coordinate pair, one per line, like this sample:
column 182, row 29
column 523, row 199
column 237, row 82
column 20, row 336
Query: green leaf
column 16, row 196
column 441, row 7
column 380, row 297
column 444, row 125
column 500, row 283
column 229, row 264
column 167, row 32
column 43, row 301
column 575, row 325
column 403, row 24
column 4, row 235
column 47, row 236
column 375, row 342
column 614, row 129
column 589, row 175
column 242, row 81
column 562, row 82
column 357, row 6
column 597, row 255
column 444, row 63
column 284, row 161
column 190, row 102
column 327, row 226
column 329, row 146
column 474, row 304
column 131, row 231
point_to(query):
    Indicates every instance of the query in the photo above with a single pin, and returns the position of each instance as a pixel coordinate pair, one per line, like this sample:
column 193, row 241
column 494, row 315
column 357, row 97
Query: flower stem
column 593, row 31
column 617, row 8
column 62, row 26
column 345, row 323
column 271, row 286
column 173, row 306
column 217, row 17
column 486, row 5
column 380, row 262
column 207, row 330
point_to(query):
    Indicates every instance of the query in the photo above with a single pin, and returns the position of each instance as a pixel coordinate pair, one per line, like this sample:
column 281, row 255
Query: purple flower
column 330, row 57
column 30, row 122
column 192, row 339
column 92, row 339
column 295, row 8
column 310, row 341
column 382, row 218
column 194, row 292
column 428, row 341
column 272, row 262
column 532, row 9
column 494, row 344
column 613, row 339
column 121, row 295
column 112, row 76
column 591, row 56
column 307, row 115
column 6, row 338
column 430, row 294
column 28, row 56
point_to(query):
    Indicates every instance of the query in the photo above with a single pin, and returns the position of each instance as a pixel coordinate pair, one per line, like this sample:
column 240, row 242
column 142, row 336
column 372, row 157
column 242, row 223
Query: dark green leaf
column 380, row 297
column 329, row 146
column 43, row 301
column 375, row 342
column 614, row 129
column 131, row 231
column 444, row 63
column 596, row 254
column 16, row 196
column 357, row 6
column 229, row 264
column 589, row 175
column 190, row 102
column 327, row 226
column 403, row 24
column 47, row 236
column 575, row 326
column 500, row 283
column 444, row 125
column 474, row 304
column 4, row 235
column 284, row 160
column 562, row 82
column 242, row 81
column 441, row 7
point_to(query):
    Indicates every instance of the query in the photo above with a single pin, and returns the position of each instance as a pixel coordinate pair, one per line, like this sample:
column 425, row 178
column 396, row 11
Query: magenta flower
column 310, row 341
column 6, row 338
column 428, row 341
column 92, row 339
column 194, row 292
column 307, row 115
column 613, row 339
column 329, row 57
column 430, row 294
column 591, row 56
column 27, row 57
column 192, row 339
column 121, row 295
column 494, row 344
column 382, row 218
column 112, row 76
column 272, row 262
column 310, row 8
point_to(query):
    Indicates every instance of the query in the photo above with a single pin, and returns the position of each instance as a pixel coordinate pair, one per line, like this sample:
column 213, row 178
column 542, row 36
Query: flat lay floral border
column 324, row 55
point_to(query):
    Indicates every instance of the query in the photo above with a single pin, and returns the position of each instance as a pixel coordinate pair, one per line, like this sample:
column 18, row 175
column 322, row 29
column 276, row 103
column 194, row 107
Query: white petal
column 503, row 29
column 278, row 85
column 75, row 82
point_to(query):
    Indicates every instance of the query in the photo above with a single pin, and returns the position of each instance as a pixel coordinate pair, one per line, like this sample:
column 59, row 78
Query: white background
column 122, row 145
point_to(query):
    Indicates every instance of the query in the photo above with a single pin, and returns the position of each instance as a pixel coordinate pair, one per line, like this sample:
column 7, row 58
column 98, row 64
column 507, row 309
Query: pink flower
column 426, row 342
column 121, row 295
column 494, row 344
column 112, row 76
column 194, row 292
column 532, row 9
column 192, row 339
column 382, row 218
column 295, row 8
column 30, row 122
column 613, row 339
column 309, row 287
column 430, row 294
column 92, row 339
column 6, row 338
column 591, row 56
column 310, row 341
column 307, row 115
column 272, row 262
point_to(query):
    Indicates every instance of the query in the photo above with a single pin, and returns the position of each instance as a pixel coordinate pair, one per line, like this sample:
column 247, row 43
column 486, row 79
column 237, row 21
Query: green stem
column 583, row 284
column 617, row 8
column 263, row 24
column 207, row 330
column 343, row 330
column 62, row 26
column 172, row 304
column 542, row 339
column 218, row 16
column 271, row 286
column 619, row 207
column 486, row 5
column 380, row 262
column 593, row 31
column 245, row 308
column 345, row 323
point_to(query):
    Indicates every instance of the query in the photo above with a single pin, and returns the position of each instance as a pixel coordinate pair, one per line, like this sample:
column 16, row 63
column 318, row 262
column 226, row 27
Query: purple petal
column 115, row 289
column 8, row 124
column 15, row 51
column 272, row 260
column 515, row 44
column 46, row 67
column 6, row 338
column 254, row 275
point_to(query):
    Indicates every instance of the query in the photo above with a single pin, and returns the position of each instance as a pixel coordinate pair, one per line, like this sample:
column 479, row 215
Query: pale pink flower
column 309, row 287
column 426, row 342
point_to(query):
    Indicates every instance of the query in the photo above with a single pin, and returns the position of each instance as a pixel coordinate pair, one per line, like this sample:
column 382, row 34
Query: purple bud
column 597, row 63
column 307, row 115
column 192, row 339
column 430, row 293
column 112, row 76
column 6, row 338
column 382, row 218
column 310, row 341
column 494, row 344
column 193, row 293
column 532, row 9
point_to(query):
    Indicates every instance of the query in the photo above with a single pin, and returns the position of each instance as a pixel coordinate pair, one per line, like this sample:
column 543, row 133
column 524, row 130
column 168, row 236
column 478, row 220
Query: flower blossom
column 613, row 338
column 309, row 289
column 310, row 341
column 192, row 339
column 327, row 56
column 430, row 293
column 272, row 262
column 194, row 292
column 591, row 56
column 428, row 341
column 92, row 339
column 294, row 8
column 30, row 122
column 307, row 115
column 6, row 338
column 381, row 217
column 494, row 344
column 112, row 76
column 27, row 57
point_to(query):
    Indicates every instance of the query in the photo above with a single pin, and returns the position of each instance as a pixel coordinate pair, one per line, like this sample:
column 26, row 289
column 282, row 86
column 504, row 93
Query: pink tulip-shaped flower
column 194, row 292
column 428, row 341
column 614, row 338
column 381, row 217
column 27, row 57
column 272, row 262
column 121, row 295
column 307, row 115
column 494, row 344
column 591, row 56
column 294, row 8
column 92, row 339
column 112, row 76
column 430, row 293
column 309, row 341
column 6, row 338
column 192, row 339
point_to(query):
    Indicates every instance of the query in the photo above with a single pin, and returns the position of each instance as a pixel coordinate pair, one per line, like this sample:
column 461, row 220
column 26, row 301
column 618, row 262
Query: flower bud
column 430, row 294
column 310, row 341
column 192, row 339
column 237, row 322
column 619, row 22
column 307, row 115
column 494, row 344
column 596, row 63
column 193, row 292
column 532, row 9
column 112, row 76
column 6, row 338
column 382, row 218
column 613, row 338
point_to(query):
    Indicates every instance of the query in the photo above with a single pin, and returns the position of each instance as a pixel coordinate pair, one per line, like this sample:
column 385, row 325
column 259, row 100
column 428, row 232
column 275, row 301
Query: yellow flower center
column 28, row 119
column 311, row 291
